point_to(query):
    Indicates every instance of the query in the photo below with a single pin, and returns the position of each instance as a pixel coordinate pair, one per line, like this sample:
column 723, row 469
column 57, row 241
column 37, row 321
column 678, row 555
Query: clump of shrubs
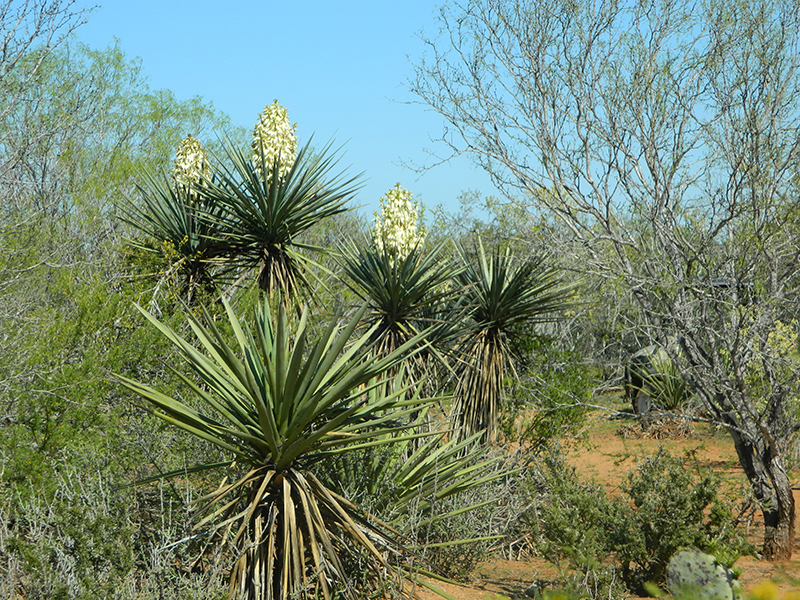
column 628, row 536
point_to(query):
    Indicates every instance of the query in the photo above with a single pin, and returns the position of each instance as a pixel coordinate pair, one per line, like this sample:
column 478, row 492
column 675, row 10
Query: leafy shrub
column 670, row 497
column 545, row 403
column 574, row 521
column 71, row 441
column 666, row 503
column 73, row 544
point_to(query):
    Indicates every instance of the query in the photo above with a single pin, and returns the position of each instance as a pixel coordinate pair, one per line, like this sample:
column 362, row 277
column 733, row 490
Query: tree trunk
column 773, row 490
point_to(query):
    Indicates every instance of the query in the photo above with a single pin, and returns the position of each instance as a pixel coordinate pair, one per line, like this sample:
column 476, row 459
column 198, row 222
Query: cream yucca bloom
column 396, row 227
column 275, row 136
column 191, row 162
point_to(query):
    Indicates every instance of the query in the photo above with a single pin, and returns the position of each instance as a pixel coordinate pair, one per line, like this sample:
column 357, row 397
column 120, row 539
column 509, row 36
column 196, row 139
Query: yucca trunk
column 277, row 271
column 197, row 277
column 285, row 547
column 480, row 389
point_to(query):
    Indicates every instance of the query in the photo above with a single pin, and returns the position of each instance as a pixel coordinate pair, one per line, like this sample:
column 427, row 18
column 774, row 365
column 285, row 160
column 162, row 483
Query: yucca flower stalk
column 191, row 166
column 279, row 403
column 398, row 226
column 501, row 292
column 274, row 140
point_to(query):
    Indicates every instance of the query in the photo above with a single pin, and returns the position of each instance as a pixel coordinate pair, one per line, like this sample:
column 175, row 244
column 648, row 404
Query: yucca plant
column 502, row 292
column 268, row 207
column 180, row 222
column 279, row 404
column 664, row 384
column 405, row 295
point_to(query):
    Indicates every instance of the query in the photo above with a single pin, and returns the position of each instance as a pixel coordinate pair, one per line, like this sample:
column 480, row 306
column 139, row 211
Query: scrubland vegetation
column 218, row 379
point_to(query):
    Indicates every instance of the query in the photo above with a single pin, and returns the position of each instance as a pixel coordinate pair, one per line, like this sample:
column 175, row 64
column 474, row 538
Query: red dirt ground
column 607, row 458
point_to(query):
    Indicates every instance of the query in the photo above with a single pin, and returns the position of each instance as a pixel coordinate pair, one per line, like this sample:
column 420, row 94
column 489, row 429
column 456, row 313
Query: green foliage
column 663, row 143
column 668, row 501
column 90, row 123
column 598, row 583
column 89, row 540
column 661, row 508
column 574, row 518
column 76, row 540
column 402, row 292
column 545, row 403
column 461, row 537
column 69, row 150
column 668, row 388
column 71, row 441
column 312, row 429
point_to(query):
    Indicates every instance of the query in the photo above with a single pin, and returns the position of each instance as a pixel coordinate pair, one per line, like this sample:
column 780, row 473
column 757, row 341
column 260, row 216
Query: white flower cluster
column 276, row 136
column 191, row 161
column 397, row 231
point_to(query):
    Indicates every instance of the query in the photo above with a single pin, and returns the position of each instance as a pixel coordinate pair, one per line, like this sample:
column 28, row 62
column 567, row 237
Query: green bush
column 666, row 503
column 670, row 496
column 71, row 442
column 574, row 520
column 545, row 403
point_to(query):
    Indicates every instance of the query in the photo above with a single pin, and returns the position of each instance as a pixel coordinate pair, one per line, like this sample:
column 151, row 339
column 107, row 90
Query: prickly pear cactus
column 694, row 575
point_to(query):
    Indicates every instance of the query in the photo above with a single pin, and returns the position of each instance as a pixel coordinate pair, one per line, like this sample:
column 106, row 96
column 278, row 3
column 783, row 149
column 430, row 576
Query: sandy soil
column 611, row 452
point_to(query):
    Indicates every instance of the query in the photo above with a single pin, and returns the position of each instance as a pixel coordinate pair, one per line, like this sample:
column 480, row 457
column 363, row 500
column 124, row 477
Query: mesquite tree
column 664, row 135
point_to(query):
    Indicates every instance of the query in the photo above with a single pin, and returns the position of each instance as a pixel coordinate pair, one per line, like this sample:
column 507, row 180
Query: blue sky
column 339, row 68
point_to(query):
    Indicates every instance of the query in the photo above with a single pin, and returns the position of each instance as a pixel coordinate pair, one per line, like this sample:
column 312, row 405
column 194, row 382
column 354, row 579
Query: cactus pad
column 694, row 575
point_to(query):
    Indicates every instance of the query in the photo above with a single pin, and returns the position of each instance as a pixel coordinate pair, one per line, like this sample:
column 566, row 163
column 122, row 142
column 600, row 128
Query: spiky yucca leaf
column 502, row 292
column 422, row 490
column 279, row 402
column 433, row 472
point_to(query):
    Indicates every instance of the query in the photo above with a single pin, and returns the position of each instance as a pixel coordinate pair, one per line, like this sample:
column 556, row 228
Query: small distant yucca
column 397, row 229
column 191, row 163
column 274, row 137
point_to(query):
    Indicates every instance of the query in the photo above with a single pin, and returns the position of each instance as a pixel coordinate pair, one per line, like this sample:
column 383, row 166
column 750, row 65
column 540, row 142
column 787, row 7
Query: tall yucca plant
column 405, row 295
column 502, row 292
column 265, row 216
column 279, row 403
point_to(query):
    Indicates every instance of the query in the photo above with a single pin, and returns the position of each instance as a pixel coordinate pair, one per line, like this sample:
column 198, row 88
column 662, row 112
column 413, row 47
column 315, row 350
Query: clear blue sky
column 339, row 68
